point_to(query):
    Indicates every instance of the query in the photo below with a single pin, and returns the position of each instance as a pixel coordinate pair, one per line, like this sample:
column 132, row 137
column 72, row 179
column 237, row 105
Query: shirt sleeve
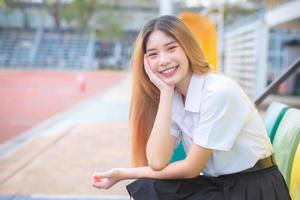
column 176, row 132
column 222, row 115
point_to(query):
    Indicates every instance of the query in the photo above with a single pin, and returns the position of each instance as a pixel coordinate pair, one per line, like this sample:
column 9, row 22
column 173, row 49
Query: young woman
column 176, row 98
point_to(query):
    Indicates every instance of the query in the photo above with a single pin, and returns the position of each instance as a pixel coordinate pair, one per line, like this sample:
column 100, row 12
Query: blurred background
column 65, row 80
column 256, row 39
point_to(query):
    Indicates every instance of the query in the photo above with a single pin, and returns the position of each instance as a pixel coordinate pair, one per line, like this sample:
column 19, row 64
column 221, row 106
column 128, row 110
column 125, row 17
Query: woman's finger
column 146, row 67
column 101, row 184
column 104, row 183
column 149, row 71
column 154, row 78
column 98, row 176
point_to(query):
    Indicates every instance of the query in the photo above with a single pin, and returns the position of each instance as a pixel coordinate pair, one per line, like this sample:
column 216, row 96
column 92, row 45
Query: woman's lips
column 170, row 71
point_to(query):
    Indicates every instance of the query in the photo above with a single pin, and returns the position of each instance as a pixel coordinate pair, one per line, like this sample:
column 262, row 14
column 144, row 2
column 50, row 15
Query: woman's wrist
column 125, row 173
column 168, row 92
column 128, row 173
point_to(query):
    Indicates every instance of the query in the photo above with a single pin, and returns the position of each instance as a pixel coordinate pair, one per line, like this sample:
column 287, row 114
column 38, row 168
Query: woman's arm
column 187, row 168
column 161, row 143
column 191, row 167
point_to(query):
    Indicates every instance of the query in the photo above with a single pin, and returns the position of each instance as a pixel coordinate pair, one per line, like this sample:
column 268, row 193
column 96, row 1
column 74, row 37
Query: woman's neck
column 183, row 85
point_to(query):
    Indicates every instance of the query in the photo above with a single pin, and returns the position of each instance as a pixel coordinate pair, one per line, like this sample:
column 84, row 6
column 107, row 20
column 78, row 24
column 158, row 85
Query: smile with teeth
column 169, row 70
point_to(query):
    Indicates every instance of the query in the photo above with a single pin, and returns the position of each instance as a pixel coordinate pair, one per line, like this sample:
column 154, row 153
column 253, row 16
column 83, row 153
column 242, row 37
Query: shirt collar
column 194, row 93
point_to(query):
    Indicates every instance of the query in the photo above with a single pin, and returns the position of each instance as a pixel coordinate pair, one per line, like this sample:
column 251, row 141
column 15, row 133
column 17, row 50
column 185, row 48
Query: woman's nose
column 164, row 60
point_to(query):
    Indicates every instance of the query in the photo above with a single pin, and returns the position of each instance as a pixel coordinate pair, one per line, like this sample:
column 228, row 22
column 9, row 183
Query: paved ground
column 56, row 159
column 55, row 197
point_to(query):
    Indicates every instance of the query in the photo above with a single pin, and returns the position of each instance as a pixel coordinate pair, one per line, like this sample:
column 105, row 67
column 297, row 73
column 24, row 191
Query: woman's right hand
column 155, row 79
column 105, row 180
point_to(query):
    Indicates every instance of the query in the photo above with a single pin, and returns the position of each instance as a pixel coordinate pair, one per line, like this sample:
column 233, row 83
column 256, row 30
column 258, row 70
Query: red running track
column 27, row 98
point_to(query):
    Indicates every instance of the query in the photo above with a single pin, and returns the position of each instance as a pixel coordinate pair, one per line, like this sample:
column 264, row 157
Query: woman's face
column 166, row 58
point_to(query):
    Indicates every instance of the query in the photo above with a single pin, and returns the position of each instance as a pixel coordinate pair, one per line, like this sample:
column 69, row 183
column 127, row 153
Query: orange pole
column 206, row 34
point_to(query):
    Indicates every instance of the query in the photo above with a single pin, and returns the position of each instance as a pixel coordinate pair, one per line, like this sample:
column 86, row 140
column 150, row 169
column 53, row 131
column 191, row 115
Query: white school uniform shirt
column 218, row 115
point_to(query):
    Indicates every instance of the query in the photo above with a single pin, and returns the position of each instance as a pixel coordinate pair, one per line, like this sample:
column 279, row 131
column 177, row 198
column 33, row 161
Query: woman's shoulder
column 223, row 87
column 218, row 78
column 215, row 82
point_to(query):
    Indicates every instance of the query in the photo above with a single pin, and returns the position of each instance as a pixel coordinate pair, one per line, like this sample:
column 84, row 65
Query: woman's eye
column 152, row 55
column 172, row 48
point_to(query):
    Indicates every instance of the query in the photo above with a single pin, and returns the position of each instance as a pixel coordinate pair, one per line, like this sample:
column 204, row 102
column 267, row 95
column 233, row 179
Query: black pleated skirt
column 266, row 184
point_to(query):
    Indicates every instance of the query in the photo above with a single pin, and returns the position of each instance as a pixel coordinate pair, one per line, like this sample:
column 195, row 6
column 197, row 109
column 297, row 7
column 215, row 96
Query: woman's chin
column 170, row 81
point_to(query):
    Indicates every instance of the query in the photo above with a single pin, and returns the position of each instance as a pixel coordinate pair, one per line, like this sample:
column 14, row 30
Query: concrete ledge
column 62, row 197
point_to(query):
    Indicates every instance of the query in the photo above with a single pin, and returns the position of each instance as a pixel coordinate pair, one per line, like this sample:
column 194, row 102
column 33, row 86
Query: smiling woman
column 166, row 58
column 176, row 97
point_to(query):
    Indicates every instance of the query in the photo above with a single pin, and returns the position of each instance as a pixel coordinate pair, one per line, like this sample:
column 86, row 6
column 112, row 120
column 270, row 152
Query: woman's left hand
column 107, row 179
column 155, row 79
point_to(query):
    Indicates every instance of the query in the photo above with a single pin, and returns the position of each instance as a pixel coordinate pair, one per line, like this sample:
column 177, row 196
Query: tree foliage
column 235, row 10
column 2, row 3
column 11, row 5
column 102, row 16
column 53, row 7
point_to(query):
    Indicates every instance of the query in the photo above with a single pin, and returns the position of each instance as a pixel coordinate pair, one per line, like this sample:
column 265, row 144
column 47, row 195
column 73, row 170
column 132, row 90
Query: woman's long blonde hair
column 145, row 96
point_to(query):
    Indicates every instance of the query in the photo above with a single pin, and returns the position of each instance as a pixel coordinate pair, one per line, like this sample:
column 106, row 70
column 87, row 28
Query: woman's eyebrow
column 147, row 50
column 173, row 41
